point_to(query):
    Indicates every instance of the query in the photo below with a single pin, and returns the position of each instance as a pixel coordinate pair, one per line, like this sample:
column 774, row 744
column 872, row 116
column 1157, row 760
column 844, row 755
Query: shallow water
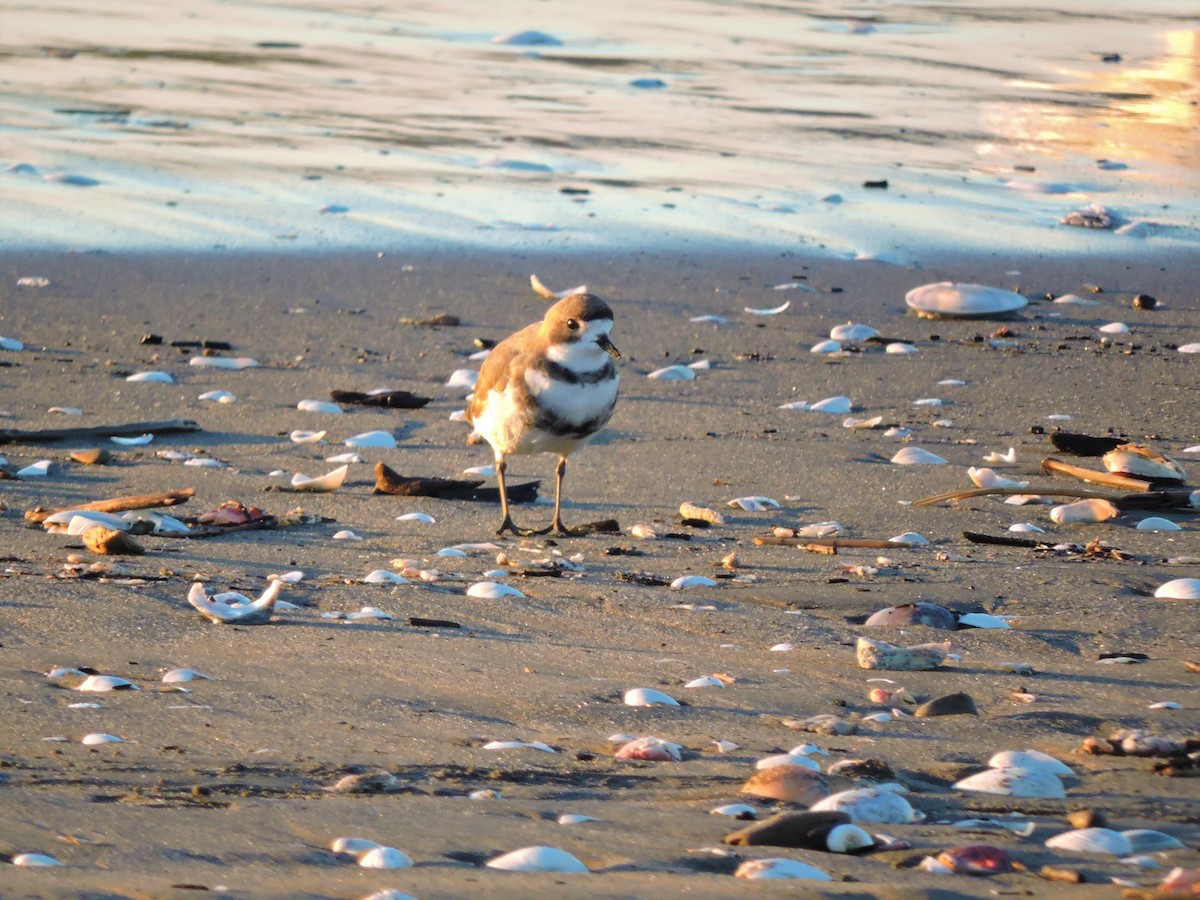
column 322, row 125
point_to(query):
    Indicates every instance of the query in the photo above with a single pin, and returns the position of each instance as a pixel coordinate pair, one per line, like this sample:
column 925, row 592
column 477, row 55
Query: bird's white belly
column 509, row 425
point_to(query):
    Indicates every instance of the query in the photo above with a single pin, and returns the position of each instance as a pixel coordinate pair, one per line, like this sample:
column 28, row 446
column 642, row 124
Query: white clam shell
column 139, row 441
column 845, row 838
column 853, row 331
column 872, row 806
column 217, row 397
column 778, row 867
column 648, row 697
column 80, row 521
column 826, row 347
column 491, row 590
column 575, row 819
column 689, row 581
column 1147, row 840
column 352, row 845
column 1027, row 527
column 1190, row 348
column 104, row 683
column 383, row 576
column 987, row 478
column 1092, row 840
column 97, row 738
column 424, row 518
column 178, row 676
column 673, row 373
column 318, row 406
column 836, row 405
column 787, row 759
column 1179, row 589
column 35, row 859
column 736, row 811
column 1114, row 328
column 916, row 456
column 1083, row 511
column 1158, row 523
column 382, row 439
column 321, row 483
column 384, row 858
column 231, row 363
column 152, row 377
column 705, row 681
column 1013, row 782
column 306, row 437
column 951, row 300
column 899, row 348
column 539, row 859
column 910, row 537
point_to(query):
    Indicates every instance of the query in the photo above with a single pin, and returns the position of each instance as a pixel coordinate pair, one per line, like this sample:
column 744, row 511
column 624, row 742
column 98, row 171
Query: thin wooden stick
column 836, row 543
column 1050, row 464
column 169, row 426
column 118, row 504
column 982, row 492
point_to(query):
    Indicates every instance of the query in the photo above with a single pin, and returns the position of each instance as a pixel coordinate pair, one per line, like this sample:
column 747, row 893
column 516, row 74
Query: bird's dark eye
column 573, row 324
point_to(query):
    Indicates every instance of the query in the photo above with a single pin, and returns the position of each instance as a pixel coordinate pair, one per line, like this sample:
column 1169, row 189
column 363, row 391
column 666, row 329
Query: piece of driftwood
column 389, row 481
column 41, row 435
column 118, row 504
column 387, row 399
column 1050, row 464
column 835, row 543
column 976, row 537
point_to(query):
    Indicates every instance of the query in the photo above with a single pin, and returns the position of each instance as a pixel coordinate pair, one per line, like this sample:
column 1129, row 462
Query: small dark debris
column 1144, row 301
column 152, row 339
column 879, row 184
column 418, row 622
column 643, row 578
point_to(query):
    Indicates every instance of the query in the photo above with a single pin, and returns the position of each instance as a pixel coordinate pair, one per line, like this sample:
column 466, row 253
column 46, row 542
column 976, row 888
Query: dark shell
column 1084, row 444
column 804, row 830
column 977, row 859
column 920, row 613
column 956, row 704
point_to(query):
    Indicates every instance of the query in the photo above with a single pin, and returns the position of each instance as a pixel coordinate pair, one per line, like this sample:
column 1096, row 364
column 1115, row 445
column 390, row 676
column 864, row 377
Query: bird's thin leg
column 557, row 526
column 506, row 523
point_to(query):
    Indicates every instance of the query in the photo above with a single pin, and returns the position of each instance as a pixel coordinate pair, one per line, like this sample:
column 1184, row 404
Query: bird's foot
column 507, row 527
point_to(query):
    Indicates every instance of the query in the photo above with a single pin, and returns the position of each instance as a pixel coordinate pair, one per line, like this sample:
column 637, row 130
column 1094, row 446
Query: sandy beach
column 225, row 788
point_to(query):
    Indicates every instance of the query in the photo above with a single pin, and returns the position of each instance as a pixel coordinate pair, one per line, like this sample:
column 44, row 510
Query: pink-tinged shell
column 792, row 784
column 780, row 867
column 650, row 748
column 1179, row 589
column 977, row 859
column 1093, row 510
column 871, row 806
column 1141, row 461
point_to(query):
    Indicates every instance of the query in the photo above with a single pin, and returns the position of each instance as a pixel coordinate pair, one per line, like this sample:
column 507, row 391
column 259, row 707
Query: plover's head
column 580, row 319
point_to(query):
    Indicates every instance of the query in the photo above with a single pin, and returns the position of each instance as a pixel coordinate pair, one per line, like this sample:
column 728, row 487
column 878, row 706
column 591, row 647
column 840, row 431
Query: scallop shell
column 1158, row 523
column 491, row 590
column 950, row 300
column 318, row 406
column 853, row 332
column 780, row 867
column 872, row 806
column 384, row 858
column 382, row 439
column 538, row 859
column 1142, row 461
column 1011, row 782
column 321, row 483
column 1092, row 840
column 1029, row 760
column 916, row 456
column 651, row 748
column 1093, row 510
column 1179, row 589
column 648, row 697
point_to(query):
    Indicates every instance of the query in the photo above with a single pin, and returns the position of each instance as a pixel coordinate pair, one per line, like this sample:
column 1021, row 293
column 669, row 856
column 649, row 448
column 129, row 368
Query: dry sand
column 226, row 787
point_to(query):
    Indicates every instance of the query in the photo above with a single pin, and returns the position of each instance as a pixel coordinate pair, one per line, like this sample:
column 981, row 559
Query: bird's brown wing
column 497, row 367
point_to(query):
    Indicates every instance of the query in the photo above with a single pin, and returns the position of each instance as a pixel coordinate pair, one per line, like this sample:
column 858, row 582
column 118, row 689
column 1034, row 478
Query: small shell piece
column 882, row 655
column 97, row 738
column 384, row 858
column 701, row 513
column 1158, row 523
column 987, row 478
column 323, row 483
column 178, row 676
column 651, row 748
column 1031, row 761
column 826, row 347
column 383, row 439
column 539, row 859
column 673, row 373
column 977, row 859
column 791, row 784
column 778, row 867
column 352, row 845
column 1009, row 782
column 1146, row 840
column 1083, row 511
column 491, row 590
column 871, row 806
column 231, row 363
column 648, row 697
column 753, row 504
column 919, row 613
column 1179, row 589
column 1142, row 461
column 950, row 300
column 105, row 683
column 736, row 811
column 689, row 581
column 1092, row 840
column 319, row 406
column 916, row 456
column 34, row 859
column 853, row 332
column 837, row 405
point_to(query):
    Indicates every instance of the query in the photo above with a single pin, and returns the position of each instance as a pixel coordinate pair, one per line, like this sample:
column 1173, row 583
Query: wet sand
column 226, row 786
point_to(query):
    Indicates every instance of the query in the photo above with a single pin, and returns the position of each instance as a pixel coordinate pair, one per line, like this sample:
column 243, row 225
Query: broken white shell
column 826, row 347
column 688, row 581
column 1114, row 328
column 137, row 441
column 753, row 504
column 153, row 377
column 519, row 745
column 491, row 590
column 899, row 348
column 538, row 859
column 836, row 405
column 232, row 363
column 1011, row 782
column 852, row 331
column 322, row 483
column 736, row 811
column 767, row 312
column 177, row 676
column 787, row 759
column 384, row 858
column 1092, row 510
column 382, row 439
column 780, row 867
column 916, row 456
column 352, row 845
column 1092, row 840
column 872, row 806
column 34, row 859
column 872, row 422
column 97, row 738
column 383, row 576
column 1179, row 589
column 987, row 478
column 673, row 373
column 1142, row 461
column 950, row 300
column 318, row 406
column 104, row 683
column 1158, row 523
column 575, row 819
column 218, row 397
column 648, row 697
column 306, row 437
column 233, row 608
column 1030, row 760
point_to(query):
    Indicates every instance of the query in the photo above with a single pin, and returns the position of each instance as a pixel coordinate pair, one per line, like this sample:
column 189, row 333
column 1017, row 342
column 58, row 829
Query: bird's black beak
column 608, row 346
